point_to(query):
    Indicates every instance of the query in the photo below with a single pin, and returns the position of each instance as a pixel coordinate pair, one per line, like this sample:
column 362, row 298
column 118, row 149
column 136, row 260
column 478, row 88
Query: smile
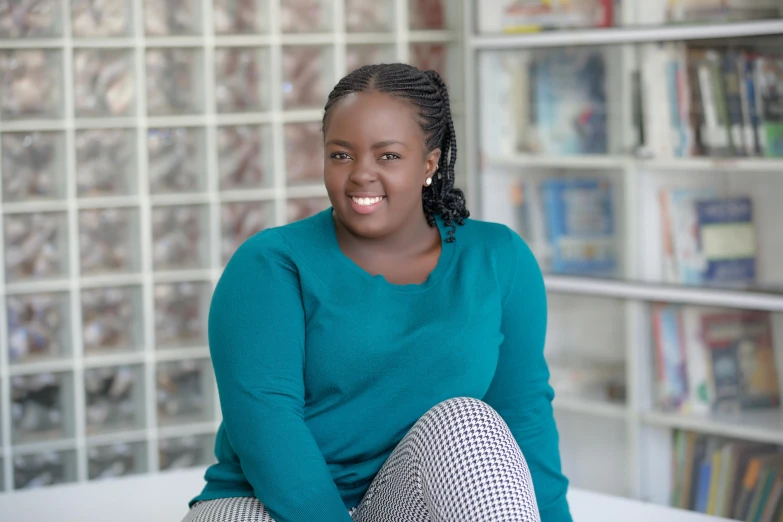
column 366, row 202
column 366, row 205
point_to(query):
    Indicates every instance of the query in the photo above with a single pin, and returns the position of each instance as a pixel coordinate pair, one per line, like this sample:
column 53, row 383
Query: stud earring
column 428, row 182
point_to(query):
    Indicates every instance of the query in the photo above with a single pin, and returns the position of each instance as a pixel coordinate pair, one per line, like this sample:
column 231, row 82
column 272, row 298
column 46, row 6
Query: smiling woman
column 361, row 377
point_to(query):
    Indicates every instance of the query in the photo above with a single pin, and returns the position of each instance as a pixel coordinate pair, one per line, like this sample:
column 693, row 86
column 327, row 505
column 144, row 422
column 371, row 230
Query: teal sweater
column 322, row 368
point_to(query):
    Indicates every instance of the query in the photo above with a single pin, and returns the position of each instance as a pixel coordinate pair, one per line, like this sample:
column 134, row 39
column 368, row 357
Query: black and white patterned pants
column 459, row 462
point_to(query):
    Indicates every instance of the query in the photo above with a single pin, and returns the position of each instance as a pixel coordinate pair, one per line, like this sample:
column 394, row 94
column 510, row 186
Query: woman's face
column 375, row 163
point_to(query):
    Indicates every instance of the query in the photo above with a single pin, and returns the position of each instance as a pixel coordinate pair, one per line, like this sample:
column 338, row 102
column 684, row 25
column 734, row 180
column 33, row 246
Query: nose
column 363, row 171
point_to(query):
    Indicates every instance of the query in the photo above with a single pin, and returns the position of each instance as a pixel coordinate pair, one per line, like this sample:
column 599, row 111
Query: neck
column 415, row 236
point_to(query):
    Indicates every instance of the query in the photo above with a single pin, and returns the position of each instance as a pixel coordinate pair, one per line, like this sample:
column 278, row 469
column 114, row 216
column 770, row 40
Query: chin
column 370, row 226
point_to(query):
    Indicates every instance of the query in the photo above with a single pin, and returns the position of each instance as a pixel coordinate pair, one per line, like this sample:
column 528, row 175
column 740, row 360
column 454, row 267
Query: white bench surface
column 163, row 497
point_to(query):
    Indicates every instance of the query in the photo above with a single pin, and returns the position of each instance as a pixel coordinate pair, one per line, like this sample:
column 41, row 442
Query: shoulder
column 509, row 254
column 277, row 244
column 501, row 242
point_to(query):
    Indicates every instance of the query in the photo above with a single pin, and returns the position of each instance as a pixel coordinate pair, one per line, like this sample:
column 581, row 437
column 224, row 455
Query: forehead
column 373, row 115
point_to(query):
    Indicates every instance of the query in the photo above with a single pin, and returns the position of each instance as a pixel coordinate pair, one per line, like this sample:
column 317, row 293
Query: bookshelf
column 621, row 438
column 253, row 81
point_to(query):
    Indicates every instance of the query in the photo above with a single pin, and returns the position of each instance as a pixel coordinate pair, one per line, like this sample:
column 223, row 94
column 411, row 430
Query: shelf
column 625, row 35
column 592, row 162
column 712, row 164
column 596, row 407
column 757, row 426
column 602, row 161
column 659, row 292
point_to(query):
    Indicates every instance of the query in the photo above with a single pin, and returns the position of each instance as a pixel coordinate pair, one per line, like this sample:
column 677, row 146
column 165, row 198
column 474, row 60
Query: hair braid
column 428, row 93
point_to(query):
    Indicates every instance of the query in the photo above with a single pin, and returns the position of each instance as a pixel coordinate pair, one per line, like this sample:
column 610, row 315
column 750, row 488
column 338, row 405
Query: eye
column 340, row 156
column 390, row 156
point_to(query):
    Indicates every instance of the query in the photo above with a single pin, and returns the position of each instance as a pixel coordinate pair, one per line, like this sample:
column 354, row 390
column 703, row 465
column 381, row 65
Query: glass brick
column 41, row 407
column 186, row 452
column 184, row 392
column 96, row 18
column 362, row 16
column 30, row 18
column 244, row 157
column 38, row 327
column 304, row 153
column 176, row 160
column 44, row 469
column 305, row 16
column 103, row 82
column 112, row 319
column 428, row 56
column 172, row 17
column 368, row 54
column 109, row 240
column 240, row 79
column 174, row 81
column 240, row 16
column 36, row 246
column 181, row 314
column 180, row 237
column 427, row 14
column 306, row 76
column 241, row 220
column 106, row 162
column 116, row 460
column 305, row 207
column 31, row 84
column 114, row 399
column 33, row 166
column 443, row 58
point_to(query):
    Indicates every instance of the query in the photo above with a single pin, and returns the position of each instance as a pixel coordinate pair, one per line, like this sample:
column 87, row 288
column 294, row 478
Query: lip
column 366, row 209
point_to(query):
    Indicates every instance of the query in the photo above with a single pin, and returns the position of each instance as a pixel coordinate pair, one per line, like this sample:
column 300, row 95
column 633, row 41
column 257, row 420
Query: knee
column 466, row 415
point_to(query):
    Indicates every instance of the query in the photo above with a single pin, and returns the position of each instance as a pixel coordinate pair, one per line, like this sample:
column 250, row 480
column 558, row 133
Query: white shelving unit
column 401, row 40
column 610, row 318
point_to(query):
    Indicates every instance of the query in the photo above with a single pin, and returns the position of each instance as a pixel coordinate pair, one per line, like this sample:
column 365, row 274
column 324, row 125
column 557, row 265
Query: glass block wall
column 140, row 143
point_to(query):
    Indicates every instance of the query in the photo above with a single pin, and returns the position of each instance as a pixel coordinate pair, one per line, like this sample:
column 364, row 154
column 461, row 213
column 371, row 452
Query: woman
column 383, row 359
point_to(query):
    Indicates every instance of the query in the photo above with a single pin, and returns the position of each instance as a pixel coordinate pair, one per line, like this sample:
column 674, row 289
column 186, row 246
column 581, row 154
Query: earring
column 428, row 182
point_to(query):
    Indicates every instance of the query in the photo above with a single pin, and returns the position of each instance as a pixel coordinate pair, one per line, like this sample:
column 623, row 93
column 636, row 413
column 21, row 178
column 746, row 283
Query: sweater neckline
column 444, row 259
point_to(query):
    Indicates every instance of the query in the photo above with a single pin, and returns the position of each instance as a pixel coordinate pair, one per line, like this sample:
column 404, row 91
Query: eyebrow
column 379, row 145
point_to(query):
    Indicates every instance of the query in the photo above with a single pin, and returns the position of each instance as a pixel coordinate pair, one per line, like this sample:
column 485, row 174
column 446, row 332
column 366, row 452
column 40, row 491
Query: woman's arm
column 256, row 338
column 520, row 390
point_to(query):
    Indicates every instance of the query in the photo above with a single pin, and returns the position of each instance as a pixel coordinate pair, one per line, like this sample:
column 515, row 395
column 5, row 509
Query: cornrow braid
column 428, row 93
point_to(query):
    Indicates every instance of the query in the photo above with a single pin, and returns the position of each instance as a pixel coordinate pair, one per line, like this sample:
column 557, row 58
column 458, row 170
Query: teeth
column 366, row 201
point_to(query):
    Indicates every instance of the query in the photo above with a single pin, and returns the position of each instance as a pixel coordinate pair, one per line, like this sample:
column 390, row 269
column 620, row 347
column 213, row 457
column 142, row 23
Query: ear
column 431, row 164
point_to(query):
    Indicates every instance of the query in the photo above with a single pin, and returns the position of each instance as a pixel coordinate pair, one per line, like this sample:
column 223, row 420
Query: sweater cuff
column 556, row 513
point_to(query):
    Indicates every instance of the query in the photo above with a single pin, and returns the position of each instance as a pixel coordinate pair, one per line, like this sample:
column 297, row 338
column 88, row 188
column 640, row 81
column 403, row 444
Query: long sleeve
column 256, row 338
column 520, row 389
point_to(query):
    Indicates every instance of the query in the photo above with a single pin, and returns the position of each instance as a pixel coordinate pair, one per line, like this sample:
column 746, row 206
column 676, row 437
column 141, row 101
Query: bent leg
column 458, row 462
column 235, row 509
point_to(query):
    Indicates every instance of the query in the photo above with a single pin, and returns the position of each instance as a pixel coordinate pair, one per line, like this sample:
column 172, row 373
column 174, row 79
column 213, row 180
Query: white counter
column 163, row 497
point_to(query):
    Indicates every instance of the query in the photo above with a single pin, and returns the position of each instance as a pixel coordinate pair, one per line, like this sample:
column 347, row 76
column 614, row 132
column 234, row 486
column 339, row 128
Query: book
column 568, row 87
column 580, row 228
column 678, row 204
column 727, row 240
column 672, row 381
column 743, row 359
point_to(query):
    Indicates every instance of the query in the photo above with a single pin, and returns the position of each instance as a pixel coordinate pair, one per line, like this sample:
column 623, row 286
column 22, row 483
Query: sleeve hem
column 558, row 512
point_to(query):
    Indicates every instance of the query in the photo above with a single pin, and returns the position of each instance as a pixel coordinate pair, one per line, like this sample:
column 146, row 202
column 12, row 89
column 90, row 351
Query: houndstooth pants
column 459, row 462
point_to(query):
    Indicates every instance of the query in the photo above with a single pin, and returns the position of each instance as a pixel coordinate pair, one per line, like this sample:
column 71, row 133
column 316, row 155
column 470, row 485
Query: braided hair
column 428, row 94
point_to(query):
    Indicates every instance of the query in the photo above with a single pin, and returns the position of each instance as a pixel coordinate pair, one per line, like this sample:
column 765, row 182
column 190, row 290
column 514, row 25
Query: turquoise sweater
column 322, row 368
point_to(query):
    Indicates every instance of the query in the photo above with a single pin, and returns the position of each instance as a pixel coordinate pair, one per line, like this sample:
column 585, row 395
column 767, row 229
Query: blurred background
column 637, row 146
